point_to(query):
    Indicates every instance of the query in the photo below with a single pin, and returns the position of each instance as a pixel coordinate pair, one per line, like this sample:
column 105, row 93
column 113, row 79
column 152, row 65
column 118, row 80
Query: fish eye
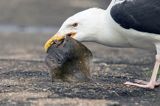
column 75, row 24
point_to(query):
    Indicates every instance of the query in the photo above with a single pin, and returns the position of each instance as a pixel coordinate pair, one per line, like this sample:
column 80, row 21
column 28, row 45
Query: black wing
column 141, row 15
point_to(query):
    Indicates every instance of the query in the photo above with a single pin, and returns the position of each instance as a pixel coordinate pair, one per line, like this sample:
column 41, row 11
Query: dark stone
column 69, row 60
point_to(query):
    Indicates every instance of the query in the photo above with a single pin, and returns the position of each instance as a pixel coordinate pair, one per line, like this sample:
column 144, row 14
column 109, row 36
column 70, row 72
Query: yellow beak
column 51, row 41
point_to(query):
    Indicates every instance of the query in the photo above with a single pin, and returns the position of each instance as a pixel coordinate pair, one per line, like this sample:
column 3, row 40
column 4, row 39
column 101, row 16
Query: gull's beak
column 56, row 37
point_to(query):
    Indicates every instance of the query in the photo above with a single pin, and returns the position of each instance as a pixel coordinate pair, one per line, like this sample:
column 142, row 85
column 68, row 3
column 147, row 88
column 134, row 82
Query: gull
column 124, row 24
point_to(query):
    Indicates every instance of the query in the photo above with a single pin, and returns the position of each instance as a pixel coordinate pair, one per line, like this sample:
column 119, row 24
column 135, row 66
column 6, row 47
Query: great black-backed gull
column 125, row 23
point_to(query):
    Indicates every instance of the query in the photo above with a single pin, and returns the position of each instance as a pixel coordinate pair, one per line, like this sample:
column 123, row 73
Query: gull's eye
column 75, row 24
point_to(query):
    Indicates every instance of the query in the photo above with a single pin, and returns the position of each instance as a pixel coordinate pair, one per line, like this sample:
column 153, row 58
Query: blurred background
column 25, row 25
column 45, row 13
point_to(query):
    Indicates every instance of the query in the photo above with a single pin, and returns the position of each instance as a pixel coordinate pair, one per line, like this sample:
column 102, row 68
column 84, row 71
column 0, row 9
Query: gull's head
column 83, row 26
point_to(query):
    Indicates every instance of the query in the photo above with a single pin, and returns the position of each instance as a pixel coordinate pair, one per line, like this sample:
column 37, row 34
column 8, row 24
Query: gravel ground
column 28, row 83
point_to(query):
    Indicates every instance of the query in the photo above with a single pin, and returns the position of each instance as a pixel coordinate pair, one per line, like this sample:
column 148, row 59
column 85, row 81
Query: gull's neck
column 108, row 33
